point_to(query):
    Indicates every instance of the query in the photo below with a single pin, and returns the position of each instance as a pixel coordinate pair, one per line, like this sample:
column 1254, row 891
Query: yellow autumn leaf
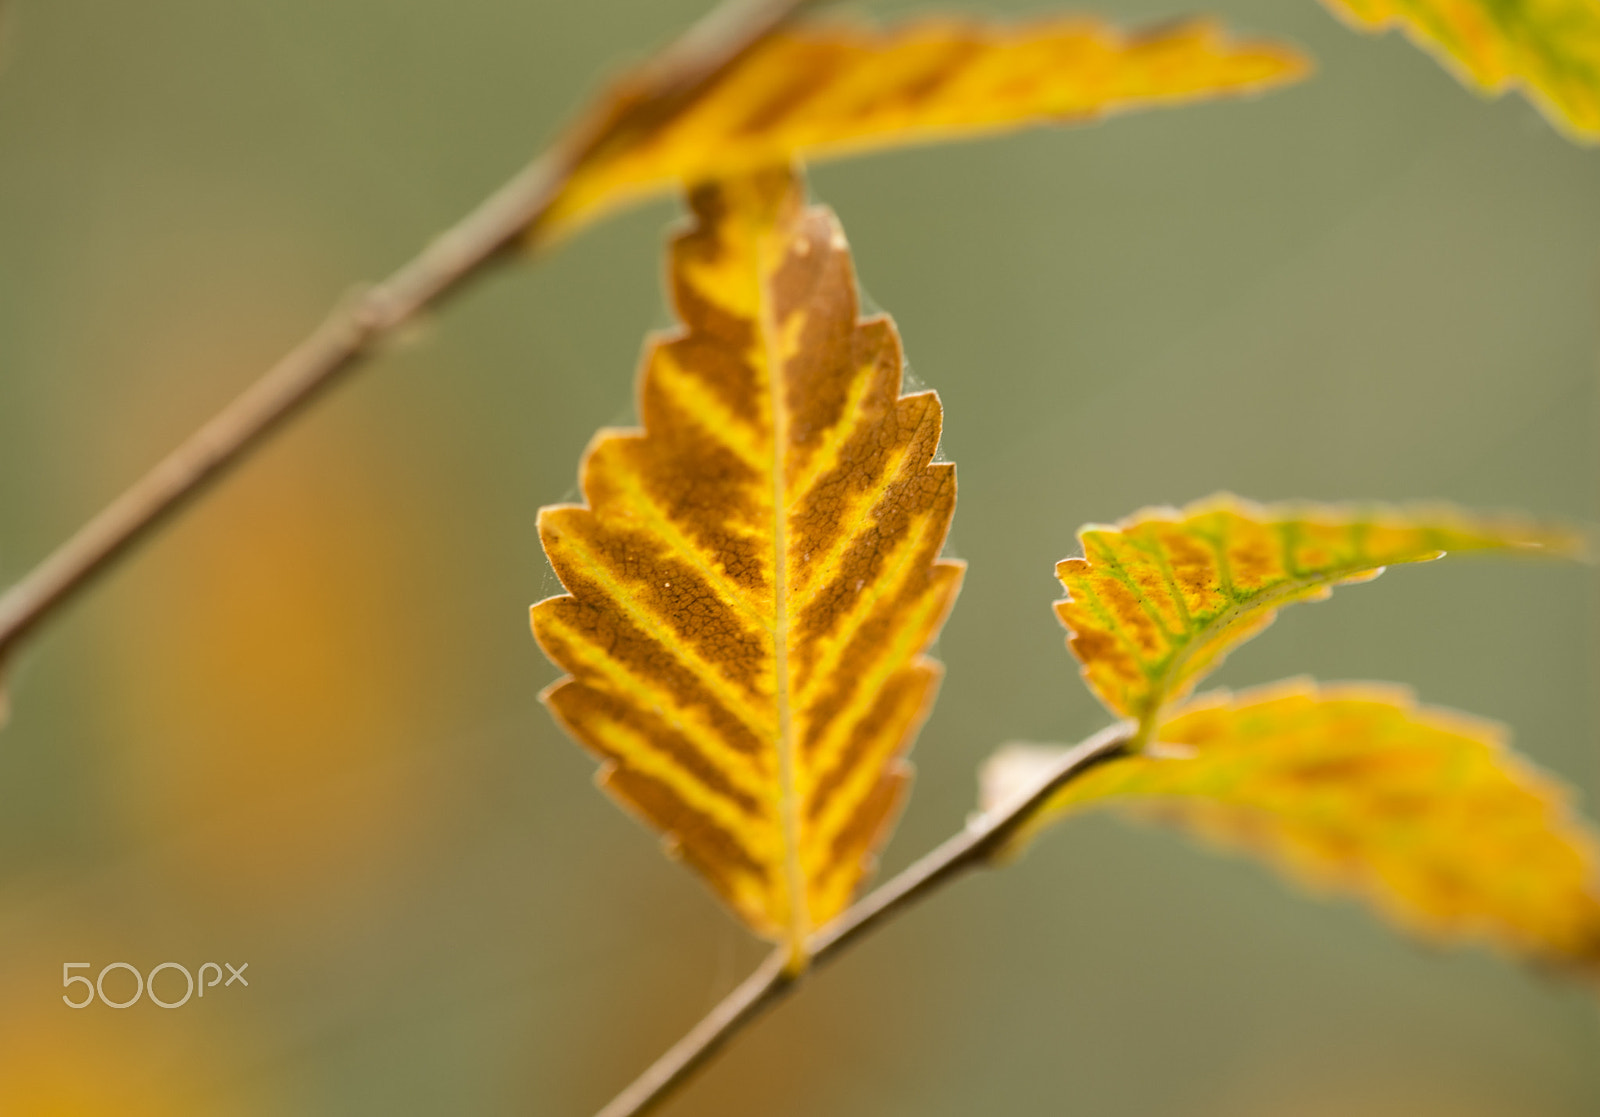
column 1422, row 812
column 1159, row 599
column 754, row 575
column 833, row 90
column 1548, row 48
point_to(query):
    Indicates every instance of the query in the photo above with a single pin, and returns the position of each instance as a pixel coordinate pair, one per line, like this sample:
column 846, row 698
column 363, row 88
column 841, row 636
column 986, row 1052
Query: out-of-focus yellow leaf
column 1550, row 48
column 834, row 90
column 1422, row 812
column 755, row 574
column 1159, row 598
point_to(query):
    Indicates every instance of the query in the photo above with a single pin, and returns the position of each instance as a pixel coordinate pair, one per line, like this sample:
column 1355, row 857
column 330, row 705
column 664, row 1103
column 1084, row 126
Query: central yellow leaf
column 754, row 575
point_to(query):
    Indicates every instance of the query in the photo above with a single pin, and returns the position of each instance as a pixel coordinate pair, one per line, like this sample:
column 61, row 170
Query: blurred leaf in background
column 827, row 91
column 1548, row 48
column 1353, row 788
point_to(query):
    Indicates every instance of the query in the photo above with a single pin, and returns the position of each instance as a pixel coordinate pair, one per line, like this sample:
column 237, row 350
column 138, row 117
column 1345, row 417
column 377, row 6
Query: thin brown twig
column 984, row 837
column 354, row 331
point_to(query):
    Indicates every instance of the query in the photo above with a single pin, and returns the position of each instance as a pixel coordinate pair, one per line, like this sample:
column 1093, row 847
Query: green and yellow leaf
column 1549, row 48
column 754, row 576
column 832, row 90
column 1423, row 813
column 1160, row 598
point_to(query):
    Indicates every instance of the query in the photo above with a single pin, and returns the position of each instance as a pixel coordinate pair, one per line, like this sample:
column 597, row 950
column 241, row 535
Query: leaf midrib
column 788, row 763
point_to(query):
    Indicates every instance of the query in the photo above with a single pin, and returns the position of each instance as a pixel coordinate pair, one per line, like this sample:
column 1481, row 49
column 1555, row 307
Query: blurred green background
column 301, row 730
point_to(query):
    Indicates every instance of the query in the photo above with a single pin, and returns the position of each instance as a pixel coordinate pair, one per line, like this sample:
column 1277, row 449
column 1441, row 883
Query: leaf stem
column 356, row 329
column 978, row 844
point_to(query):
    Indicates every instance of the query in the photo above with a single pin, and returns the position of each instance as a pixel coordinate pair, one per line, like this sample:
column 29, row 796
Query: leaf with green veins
column 1158, row 600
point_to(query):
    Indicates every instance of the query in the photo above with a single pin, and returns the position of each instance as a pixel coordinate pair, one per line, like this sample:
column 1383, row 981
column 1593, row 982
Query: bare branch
column 356, row 330
column 984, row 837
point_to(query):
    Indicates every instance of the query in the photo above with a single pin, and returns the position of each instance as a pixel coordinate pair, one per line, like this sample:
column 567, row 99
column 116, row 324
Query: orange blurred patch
column 263, row 678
